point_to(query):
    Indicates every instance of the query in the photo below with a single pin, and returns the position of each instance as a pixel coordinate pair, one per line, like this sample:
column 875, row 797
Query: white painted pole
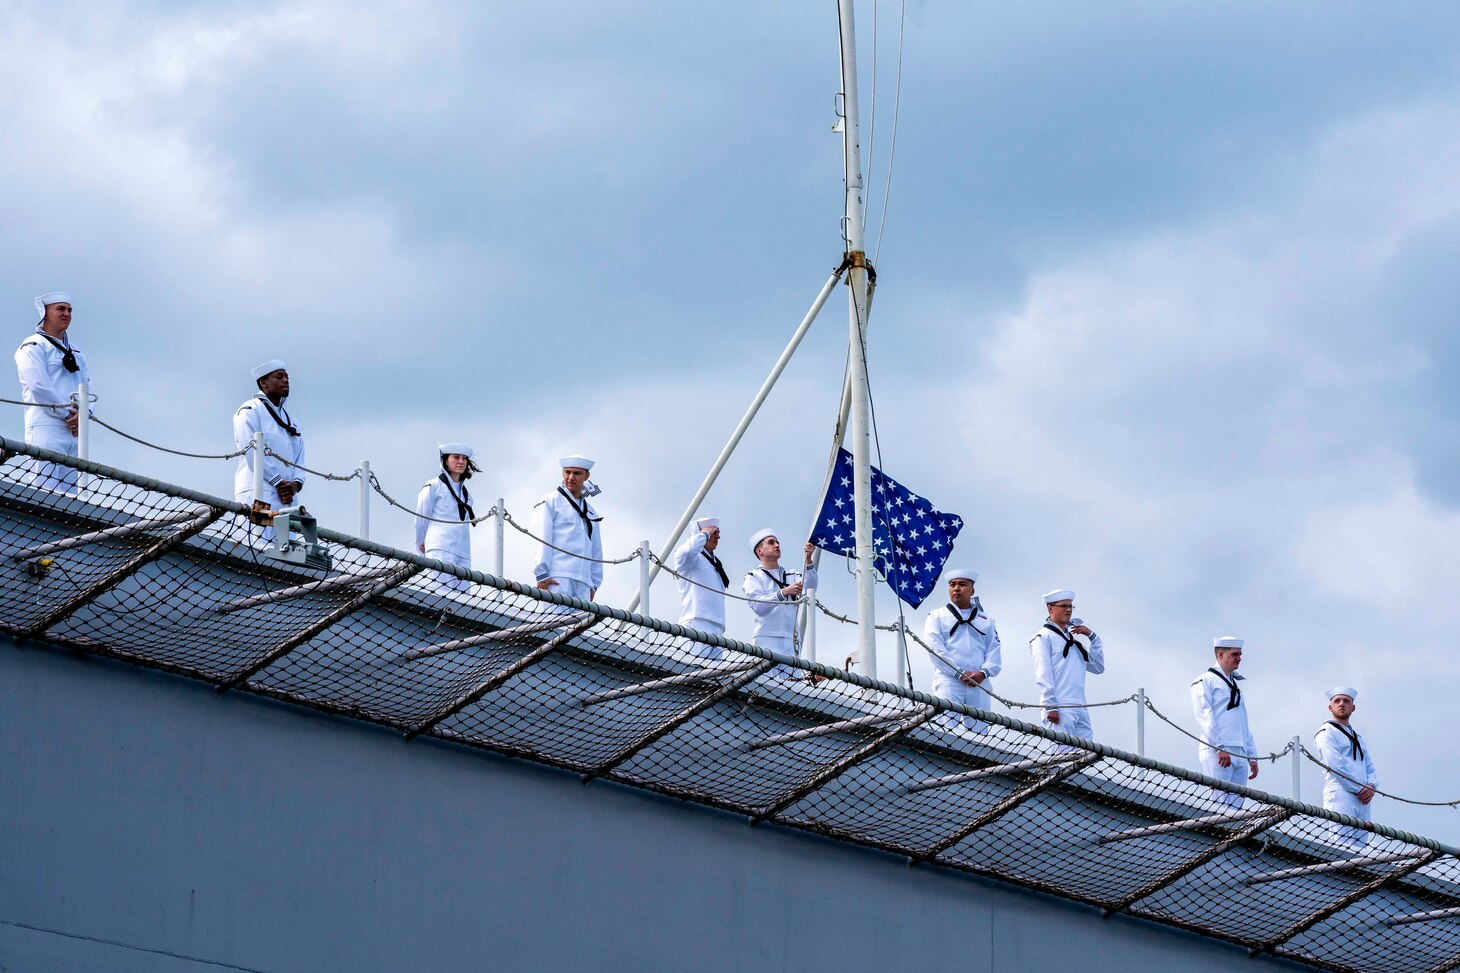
column 83, row 421
column 902, row 680
column 499, row 539
column 755, row 404
column 1141, row 721
column 861, row 425
column 364, row 499
column 645, row 578
column 1297, row 769
column 808, row 642
column 258, row 465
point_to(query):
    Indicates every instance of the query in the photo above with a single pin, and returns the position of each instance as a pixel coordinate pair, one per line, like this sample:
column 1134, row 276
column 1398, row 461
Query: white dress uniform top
column 967, row 641
column 1220, row 708
column 572, row 525
column 1343, row 748
column 46, row 378
column 1061, row 661
column 281, row 436
column 702, row 603
column 444, row 499
column 774, row 626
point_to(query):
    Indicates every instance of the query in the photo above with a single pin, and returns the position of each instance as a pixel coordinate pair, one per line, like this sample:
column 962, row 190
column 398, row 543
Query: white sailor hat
column 707, row 523
column 461, row 449
column 759, row 536
column 576, row 463
column 966, row 574
column 53, row 297
column 272, row 365
column 1348, row 691
column 1226, row 642
column 1059, row 594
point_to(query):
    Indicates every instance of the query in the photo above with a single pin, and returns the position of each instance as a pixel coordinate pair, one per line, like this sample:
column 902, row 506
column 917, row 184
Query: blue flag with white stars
column 913, row 540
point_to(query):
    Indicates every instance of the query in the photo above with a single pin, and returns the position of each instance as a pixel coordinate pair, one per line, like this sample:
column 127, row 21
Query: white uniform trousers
column 975, row 697
column 1075, row 722
column 1335, row 798
column 52, row 476
column 699, row 648
column 785, row 645
column 571, row 588
column 449, row 582
column 1238, row 773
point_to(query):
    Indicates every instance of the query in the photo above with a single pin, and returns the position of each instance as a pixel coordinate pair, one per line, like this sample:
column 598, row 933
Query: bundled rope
column 1393, row 797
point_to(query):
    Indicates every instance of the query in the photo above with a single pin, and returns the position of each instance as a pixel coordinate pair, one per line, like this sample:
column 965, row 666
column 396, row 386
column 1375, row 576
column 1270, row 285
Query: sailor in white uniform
column 774, row 591
column 702, row 583
column 444, row 515
column 1220, row 707
column 1349, row 787
column 265, row 413
column 51, row 371
column 965, row 648
column 570, row 526
column 1061, row 662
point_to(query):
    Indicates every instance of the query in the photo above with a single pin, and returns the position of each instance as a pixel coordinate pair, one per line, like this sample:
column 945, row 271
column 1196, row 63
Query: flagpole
column 861, row 420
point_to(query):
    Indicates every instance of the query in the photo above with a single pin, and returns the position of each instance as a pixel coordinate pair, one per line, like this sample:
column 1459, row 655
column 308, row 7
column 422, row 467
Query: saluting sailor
column 569, row 525
column 283, row 441
column 1061, row 662
column 444, row 515
column 1227, row 750
column 52, row 370
column 965, row 648
column 774, row 590
column 1348, row 787
column 702, row 582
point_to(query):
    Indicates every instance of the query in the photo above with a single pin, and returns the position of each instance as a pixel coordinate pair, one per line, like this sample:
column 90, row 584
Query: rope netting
column 170, row 578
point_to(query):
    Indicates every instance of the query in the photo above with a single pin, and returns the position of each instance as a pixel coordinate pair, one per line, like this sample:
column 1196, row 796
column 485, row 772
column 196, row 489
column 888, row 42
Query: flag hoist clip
column 307, row 551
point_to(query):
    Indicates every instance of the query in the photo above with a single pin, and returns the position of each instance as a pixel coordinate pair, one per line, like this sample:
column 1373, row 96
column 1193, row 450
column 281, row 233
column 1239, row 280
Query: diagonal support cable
column 668, row 682
column 106, row 534
column 1273, row 817
column 122, row 572
column 396, row 577
column 1006, row 805
column 1363, row 891
column 822, row 729
column 684, row 716
column 1446, row 966
column 1185, row 824
column 527, row 661
column 997, row 770
column 496, row 635
column 841, row 766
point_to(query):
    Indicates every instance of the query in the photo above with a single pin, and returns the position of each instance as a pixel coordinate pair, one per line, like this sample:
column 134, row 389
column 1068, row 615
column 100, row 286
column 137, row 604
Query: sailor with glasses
column 1061, row 662
column 964, row 645
column 52, row 370
column 1227, row 750
column 703, row 581
column 571, row 562
column 283, row 442
column 1348, row 776
column 444, row 514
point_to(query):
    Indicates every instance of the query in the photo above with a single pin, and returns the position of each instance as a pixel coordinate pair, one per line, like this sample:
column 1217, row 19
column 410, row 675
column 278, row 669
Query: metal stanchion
column 365, row 499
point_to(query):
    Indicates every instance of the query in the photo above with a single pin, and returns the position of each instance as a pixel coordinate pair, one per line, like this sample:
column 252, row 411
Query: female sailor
column 444, row 514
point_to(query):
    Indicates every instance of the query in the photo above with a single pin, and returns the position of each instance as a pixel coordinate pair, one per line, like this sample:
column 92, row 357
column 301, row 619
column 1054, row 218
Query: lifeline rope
column 1393, row 797
column 375, row 485
column 798, row 600
column 623, row 560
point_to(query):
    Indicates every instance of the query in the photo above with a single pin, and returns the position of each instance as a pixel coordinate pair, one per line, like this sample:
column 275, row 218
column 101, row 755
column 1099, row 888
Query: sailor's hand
column 73, row 422
column 971, row 678
column 592, row 593
column 1224, row 759
column 1082, row 630
column 711, row 534
column 421, row 548
column 1252, row 770
column 1367, row 794
column 286, row 491
column 1052, row 716
column 793, row 590
column 810, row 549
column 546, row 583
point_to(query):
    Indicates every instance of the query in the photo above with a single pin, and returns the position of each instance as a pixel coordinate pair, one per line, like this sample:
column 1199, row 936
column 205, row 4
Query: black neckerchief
column 463, row 502
column 68, row 355
column 959, row 620
column 582, row 512
column 1235, row 699
column 286, row 426
column 719, row 568
column 784, row 581
column 1355, row 749
column 1070, row 642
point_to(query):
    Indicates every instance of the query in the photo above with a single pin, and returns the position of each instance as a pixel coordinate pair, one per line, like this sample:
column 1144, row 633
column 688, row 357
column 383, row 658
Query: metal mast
column 861, row 425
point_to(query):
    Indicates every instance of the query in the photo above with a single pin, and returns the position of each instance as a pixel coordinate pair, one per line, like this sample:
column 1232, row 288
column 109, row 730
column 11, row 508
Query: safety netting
column 158, row 575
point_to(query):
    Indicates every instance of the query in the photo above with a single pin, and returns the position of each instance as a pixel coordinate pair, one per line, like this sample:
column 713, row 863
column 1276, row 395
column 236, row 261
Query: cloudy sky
column 1166, row 312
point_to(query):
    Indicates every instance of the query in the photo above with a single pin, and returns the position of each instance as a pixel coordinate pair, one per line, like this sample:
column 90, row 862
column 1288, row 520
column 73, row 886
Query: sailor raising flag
column 913, row 540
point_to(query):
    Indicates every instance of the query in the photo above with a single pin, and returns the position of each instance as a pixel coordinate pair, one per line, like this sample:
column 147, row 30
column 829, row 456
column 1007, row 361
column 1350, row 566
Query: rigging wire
column 892, row 142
